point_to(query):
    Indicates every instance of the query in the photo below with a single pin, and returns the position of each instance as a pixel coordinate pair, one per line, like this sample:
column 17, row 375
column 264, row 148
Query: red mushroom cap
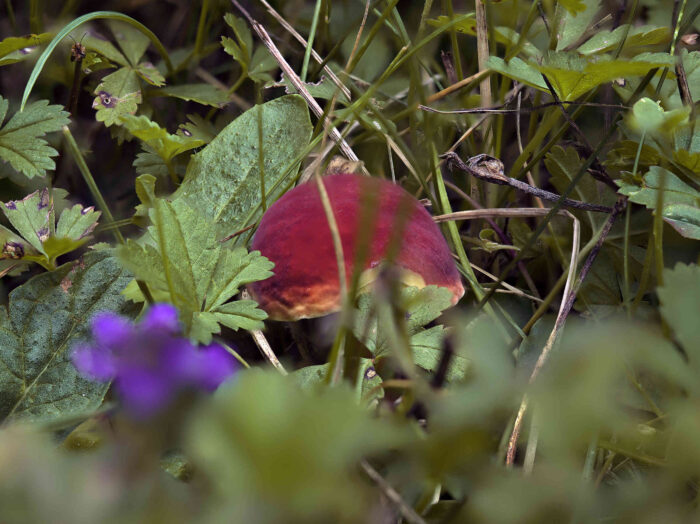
column 294, row 234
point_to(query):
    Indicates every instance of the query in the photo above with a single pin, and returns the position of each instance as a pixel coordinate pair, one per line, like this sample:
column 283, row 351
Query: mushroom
column 294, row 234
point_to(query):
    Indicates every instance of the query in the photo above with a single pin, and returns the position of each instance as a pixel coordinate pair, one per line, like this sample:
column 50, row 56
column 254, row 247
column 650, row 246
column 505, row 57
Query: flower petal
column 161, row 317
column 96, row 363
column 111, row 331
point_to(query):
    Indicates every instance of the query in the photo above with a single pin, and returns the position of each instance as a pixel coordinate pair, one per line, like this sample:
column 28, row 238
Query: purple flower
column 150, row 362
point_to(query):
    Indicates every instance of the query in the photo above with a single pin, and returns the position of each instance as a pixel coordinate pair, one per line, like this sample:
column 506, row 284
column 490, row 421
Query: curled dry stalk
column 564, row 310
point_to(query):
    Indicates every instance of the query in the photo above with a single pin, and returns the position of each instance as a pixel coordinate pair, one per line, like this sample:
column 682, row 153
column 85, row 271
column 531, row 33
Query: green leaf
column 261, row 63
column 181, row 256
column 572, row 75
column 427, row 347
column 13, row 49
column 46, row 316
column 223, row 179
column 101, row 45
column 604, row 41
column 77, row 222
column 20, row 138
column 149, row 162
column 131, row 40
column 31, row 217
column 649, row 117
column 519, row 70
column 164, row 144
column 148, row 72
column 243, row 50
column 118, row 94
column 198, row 128
column 573, row 6
column 205, row 94
column 573, row 24
column 683, row 218
column 680, row 304
column 681, row 201
column 266, row 443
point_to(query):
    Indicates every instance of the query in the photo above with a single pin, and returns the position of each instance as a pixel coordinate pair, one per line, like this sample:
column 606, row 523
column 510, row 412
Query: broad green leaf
column 14, row 49
column 101, row 45
column 118, row 94
column 681, row 202
column 572, row 75
column 649, row 117
column 519, row 70
column 264, row 442
column 182, row 258
column 21, row 142
column 684, row 218
column 45, row 317
column 205, row 94
column 131, row 40
column 223, row 179
column 605, row 41
column 428, row 347
column 680, row 304
column 164, row 144
column 573, row 23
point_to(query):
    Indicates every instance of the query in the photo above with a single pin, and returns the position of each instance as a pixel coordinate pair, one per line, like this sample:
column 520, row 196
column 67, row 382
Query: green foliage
column 256, row 63
column 292, row 449
column 204, row 94
column 182, row 259
column 21, row 142
column 44, row 319
column 223, row 180
column 41, row 240
column 14, row 49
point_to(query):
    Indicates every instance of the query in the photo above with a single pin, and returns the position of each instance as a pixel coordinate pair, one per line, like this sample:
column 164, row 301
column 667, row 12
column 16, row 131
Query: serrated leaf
column 198, row 128
column 31, row 217
column 20, row 138
column 573, row 23
column 98, row 43
column 261, row 63
column 164, row 144
column 604, row 41
column 77, row 222
column 181, row 256
column 680, row 304
column 148, row 72
column 243, row 50
column 118, row 94
column 519, row 70
column 223, row 179
column 572, row 75
column 149, row 162
column 45, row 317
column 323, row 89
column 205, row 94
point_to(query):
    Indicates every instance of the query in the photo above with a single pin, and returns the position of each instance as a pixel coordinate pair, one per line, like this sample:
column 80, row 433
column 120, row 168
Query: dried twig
column 263, row 344
column 296, row 82
column 407, row 512
column 491, row 170
column 334, row 78
column 564, row 310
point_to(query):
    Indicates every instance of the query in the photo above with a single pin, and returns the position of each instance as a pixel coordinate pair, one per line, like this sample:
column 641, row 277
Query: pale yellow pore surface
column 325, row 299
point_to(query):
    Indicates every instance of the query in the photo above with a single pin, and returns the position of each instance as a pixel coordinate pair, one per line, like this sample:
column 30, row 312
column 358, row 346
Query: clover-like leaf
column 21, row 142
column 44, row 318
column 118, row 94
column 181, row 258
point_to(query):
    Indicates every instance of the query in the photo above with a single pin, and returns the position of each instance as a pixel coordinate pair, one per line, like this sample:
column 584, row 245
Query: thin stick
column 407, row 512
column 566, row 306
column 263, row 344
column 297, row 83
column 490, row 169
column 334, row 78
